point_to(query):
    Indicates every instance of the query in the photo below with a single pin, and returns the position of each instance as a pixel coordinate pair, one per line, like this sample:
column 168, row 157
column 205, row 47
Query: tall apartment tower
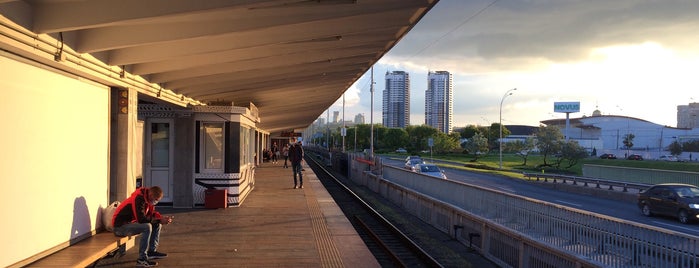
column 396, row 100
column 688, row 115
column 336, row 116
column 359, row 119
column 439, row 101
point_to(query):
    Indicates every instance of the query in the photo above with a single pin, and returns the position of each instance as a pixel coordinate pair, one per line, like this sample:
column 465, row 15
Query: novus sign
column 566, row 107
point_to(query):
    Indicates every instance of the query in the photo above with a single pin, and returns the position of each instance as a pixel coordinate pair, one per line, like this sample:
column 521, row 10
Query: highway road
column 619, row 209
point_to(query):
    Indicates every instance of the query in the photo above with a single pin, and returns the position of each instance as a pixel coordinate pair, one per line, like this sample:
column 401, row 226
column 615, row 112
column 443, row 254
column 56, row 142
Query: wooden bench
column 85, row 252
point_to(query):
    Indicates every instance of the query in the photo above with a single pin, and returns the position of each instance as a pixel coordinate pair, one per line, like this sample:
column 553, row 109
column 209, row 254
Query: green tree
column 549, row 141
column 380, row 138
column 363, row 134
column 628, row 141
column 419, row 135
column 349, row 139
column 690, row 146
column 469, row 131
column 477, row 146
column 572, row 152
column 675, row 148
column 396, row 138
column 522, row 148
column 444, row 143
column 494, row 133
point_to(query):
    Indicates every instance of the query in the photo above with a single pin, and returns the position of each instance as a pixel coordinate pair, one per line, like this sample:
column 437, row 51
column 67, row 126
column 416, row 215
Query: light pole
column 508, row 93
column 371, row 117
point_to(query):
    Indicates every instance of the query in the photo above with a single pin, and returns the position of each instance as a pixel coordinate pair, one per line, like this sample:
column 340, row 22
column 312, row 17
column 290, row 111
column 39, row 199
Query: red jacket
column 134, row 209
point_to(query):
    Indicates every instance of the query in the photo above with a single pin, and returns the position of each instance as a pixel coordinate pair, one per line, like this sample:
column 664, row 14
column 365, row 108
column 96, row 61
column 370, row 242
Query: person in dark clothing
column 275, row 153
column 296, row 156
column 137, row 215
column 285, row 152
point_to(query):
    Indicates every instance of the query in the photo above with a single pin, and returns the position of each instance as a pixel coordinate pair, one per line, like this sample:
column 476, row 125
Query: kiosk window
column 213, row 146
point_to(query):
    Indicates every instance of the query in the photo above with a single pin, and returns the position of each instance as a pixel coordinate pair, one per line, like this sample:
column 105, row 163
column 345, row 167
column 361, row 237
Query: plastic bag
column 107, row 214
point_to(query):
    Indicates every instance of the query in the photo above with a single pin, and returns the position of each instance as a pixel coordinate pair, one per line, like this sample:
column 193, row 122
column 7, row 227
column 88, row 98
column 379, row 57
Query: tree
column 675, row 148
column 494, row 134
column 628, row 141
column 572, row 152
column 522, row 148
column 476, row 146
column 363, row 134
column 396, row 138
column 690, row 146
column 419, row 135
column 549, row 141
column 380, row 138
column 446, row 143
column 469, row 131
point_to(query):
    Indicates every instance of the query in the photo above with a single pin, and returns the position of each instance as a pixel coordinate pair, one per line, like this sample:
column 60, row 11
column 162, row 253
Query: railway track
column 390, row 246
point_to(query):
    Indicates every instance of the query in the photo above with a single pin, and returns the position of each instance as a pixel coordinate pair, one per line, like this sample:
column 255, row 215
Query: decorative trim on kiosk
column 230, row 181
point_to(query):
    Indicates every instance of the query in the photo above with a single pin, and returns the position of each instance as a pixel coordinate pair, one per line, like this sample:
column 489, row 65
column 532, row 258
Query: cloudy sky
column 637, row 58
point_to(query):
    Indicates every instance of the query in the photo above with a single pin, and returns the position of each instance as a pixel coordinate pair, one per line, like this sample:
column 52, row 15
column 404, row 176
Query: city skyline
column 628, row 58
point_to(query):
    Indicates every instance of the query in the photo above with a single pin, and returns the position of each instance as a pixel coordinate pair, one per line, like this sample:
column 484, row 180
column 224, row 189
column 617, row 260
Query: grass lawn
column 512, row 163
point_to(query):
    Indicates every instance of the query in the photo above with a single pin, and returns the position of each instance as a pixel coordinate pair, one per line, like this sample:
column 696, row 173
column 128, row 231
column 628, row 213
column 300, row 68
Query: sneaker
column 301, row 187
column 145, row 263
column 156, row 255
column 295, row 186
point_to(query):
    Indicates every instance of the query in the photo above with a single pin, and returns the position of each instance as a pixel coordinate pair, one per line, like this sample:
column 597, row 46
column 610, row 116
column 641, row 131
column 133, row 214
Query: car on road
column 671, row 199
column 412, row 157
column 410, row 164
column 607, row 156
column 635, row 157
column 430, row 170
column 401, row 150
column 669, row 158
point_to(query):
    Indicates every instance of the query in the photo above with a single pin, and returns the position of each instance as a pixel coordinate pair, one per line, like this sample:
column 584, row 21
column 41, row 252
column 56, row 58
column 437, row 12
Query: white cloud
column 626, row 57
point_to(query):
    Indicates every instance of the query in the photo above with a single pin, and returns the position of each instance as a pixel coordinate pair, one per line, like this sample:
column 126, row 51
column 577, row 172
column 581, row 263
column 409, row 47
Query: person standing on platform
column 296, row 156
column 285, row 153
column 275, row 152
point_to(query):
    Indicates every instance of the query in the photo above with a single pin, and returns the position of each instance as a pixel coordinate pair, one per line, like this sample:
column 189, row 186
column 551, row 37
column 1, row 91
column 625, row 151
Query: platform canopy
column 290, row 58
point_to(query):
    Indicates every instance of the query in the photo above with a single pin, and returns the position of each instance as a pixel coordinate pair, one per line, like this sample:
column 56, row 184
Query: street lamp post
column 508, row 93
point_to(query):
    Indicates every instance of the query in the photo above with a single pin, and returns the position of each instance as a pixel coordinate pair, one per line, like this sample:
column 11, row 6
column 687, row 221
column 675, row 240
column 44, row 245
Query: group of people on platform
column 293, row 154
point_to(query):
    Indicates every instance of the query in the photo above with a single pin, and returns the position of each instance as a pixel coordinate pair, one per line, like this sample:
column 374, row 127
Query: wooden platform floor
column 275, row 226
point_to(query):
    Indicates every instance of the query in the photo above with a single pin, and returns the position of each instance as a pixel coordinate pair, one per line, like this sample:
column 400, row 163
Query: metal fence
column 640, row 175
column 514, row 231
column 613, row 185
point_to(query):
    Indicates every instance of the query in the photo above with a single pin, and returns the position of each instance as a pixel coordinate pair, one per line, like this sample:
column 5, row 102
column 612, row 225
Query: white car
column 410, row 164
column 669, row 158
column 430, row 170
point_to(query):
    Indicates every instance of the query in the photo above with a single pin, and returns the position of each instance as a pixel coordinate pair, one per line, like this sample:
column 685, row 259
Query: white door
column 159, row 152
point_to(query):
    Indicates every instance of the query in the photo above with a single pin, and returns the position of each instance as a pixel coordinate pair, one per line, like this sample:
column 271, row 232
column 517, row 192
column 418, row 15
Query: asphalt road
column 628, row 211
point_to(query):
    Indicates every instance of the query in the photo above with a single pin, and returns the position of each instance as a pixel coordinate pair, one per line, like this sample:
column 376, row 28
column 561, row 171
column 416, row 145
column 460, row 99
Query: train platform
column 275, row 226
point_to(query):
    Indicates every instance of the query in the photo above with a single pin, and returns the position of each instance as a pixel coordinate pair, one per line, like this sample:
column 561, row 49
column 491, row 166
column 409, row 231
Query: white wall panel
column 55, row 152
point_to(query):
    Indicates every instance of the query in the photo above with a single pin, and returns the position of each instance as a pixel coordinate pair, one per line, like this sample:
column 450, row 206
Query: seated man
column 137, row 215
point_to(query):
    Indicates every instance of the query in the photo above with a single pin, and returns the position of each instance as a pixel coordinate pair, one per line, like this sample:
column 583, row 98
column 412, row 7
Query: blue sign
column 566, row 107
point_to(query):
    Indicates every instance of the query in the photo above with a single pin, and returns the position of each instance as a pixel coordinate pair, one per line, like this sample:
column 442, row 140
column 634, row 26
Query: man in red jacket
column 137, row 215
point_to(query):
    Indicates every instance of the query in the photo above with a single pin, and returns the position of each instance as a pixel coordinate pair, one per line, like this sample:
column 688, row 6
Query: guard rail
column 586, row 181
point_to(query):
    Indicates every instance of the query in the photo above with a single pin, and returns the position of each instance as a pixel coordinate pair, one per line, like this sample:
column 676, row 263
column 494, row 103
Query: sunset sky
column 623, row 57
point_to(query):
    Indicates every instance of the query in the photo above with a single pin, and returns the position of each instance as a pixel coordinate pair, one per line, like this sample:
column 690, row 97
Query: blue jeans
column 296, row 167
column 150, row 236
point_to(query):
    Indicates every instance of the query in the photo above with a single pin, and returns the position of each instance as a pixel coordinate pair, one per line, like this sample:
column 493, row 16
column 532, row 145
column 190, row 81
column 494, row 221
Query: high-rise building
column 439, row 101
column 396, row 100
column 359, row 119
column 688, row 115
column 336, row 116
